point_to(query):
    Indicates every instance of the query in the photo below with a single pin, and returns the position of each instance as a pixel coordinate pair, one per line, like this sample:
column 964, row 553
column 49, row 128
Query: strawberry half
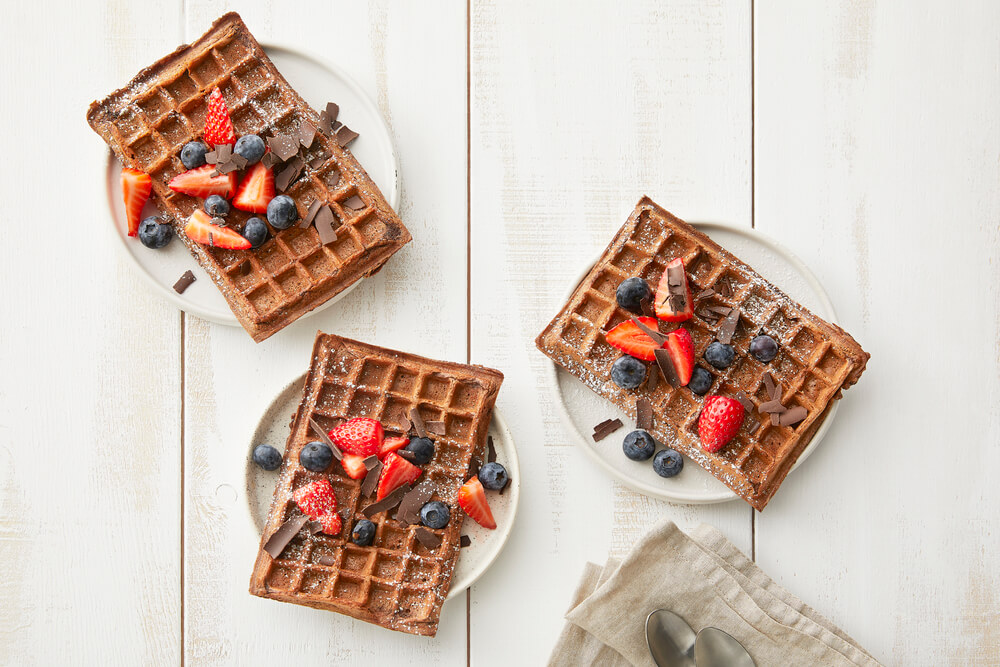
column 354, row 466
column 256, row 190
column 199, row 228
column 680, row 347
column 218, row 125
column 361, row 436
column 632, row 340
column 392, row 444
column 331, row 523
column 720, row 419
column 665, row 309
column 199, row 182
column 136, row 186
column 472, row 499
column 316, row 498
column 396, row 471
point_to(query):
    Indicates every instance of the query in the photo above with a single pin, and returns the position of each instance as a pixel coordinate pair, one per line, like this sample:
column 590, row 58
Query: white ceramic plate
column 318, row 83
column 273, row 429
column 581, row 408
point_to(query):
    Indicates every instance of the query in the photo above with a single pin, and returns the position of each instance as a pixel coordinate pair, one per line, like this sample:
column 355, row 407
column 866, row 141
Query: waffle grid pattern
column 292, row 272
column 397, row 582
column 815, row 361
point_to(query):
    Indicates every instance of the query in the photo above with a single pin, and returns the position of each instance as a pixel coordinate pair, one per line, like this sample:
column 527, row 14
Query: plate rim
column 727, row 495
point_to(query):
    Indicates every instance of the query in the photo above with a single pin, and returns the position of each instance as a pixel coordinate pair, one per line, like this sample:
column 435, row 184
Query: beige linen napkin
column 708, row 582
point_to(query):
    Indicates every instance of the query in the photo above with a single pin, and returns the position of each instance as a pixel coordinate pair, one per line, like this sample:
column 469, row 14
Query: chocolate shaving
column 307, row 132
column 406, row 426
column 793, row 416
column 386, row 503
column 281, row 537
column 307, row 220
column 427, row 538
column 771, row 406
column 646, row 305
column 184, row 282
column 435, row 427
column 211, row 157
column 409, row 506
column 325, row 123
column 287, row 175
column 418, row 422
column 606, row 428
column 407, row 454
column 705, row 293
column 336, row 126
column 676, row 291
column 653, row 378
column 211, row 239
column 775, row 419
column 371, row 479
column 283, row 146
column 332, row 111
column 728, row 327
column 721, row 310
column 744, row 400
column 724, row 289
column 667, row 369
column 332, row 180
column 355, row 203
column 238, row 160
column 337, row 454
column 643, row 413
column 226, row 167
column 345, row 135
column 218, row 222
column 464, row 541
column 769, row 384
column 317, row 162
column 314, row 527
column 504, row 487
column 657, row 337
column 370, row 462
column 324, row 225
column 270, row 160
column 491, row 450
column 329, row 561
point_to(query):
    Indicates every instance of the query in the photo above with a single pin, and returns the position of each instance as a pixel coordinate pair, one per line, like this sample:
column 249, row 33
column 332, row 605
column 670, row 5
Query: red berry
column 331, row 523
column 316, row 498
column 664, row 308
column 199, row 228
column 396, row 471
column 354, row 466
column 681, row 349
column 361, row 436
column 472, row 499
column 199, row 182
column 632, row 340
column 136, row 186
column 392, row 444
column 720, row 419
column 218, row 125
column 256, row 190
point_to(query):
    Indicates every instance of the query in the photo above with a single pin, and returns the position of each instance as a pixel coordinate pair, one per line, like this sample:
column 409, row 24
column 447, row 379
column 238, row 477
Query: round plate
column 581, row 408
column 472, row 561
column 318, row 83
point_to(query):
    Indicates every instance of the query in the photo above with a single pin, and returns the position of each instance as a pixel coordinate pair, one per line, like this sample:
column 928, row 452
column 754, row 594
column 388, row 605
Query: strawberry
column 632, row 340
column 361, row 436
column 354, row 466
column 136, row 186
column 681, row 349
column 200, row 182
column 664, row 308
column 472, row 499
column 200, row 229
column 218, row 125
column 256, row 190
column 396, row 471
column 720, row 419
column 331, row 523
column 392, row 444
column 316, row 498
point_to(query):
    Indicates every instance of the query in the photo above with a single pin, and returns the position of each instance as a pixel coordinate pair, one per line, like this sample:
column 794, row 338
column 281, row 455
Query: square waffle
column 397, row 582
column 164, row 106
column 816, row 360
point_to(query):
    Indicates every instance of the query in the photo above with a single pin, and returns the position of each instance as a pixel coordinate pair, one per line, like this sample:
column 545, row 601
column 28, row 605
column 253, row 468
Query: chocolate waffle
column 397, row 582
column 164, row 106
column 816, row 360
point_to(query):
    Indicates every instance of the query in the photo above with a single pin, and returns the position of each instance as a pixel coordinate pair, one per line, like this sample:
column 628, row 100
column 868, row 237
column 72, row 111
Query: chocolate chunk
column 332, row 111
column 653, row 378
column 491, row 450
column 339, row 455
column 355, row 203
column 288, row 174
column 371, row 479
column 283, row 146
column 306, row 133
column 325, row 123
column 324, row 225
column 184, row 282
column 464, row 541
column 728, row 327
column 345, row 135
column 329, row 561
column 744, row 400
column 643, row 413
column 606, row 428
column 418, row 422
column 657, row 337
column 386, row 503
column 427, row 538
column 435, row 427
column 793, row 416
column 409, row 506
column 270, row 160
column 667, row 369
column 281, row 537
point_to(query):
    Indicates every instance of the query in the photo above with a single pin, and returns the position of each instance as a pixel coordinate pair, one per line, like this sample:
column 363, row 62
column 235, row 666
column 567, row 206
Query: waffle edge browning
column 148, row 121
column 816, row 361
column 396, row 583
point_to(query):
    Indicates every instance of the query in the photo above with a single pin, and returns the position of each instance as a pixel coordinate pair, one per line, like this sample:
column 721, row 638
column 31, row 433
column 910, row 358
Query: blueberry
column 155, row 234
column 250, row 146
column 667, row 463
column 719, row 355
column 701, row 381
column 267, row 457
column 193, row 154
column 493, row 476
column 628, row 372
column 435, row 514
column 363, row 533
column 638, row 445
column 422, row 450
column 631, row 294
column 316, row 456
column 281, row 212
column 255, row 231
column 216, row 206
column 763, row 348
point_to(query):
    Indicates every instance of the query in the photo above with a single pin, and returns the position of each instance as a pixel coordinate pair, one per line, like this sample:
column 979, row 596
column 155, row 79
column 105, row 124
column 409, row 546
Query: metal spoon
column 715, row 648
column 670, row 639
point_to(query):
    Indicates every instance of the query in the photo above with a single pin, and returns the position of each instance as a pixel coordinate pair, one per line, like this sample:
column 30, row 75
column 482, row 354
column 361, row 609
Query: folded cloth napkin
column 706, row 581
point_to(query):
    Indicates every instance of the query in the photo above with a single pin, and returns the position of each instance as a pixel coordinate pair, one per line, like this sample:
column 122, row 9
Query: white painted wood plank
column 411, row 61
column 89, row 395
column 578, row 109
column 876, row 161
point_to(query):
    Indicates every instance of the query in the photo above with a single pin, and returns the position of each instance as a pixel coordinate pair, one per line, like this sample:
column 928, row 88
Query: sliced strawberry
column 218, row 125
column 316, row 498
column 632, row 340
column 136, row 186
column 256, row 190
column 354, row 466
column 665, row 307
column 331, row 523
column 721, row 417
column 200, row 182
column 472, row 499
column 199, row 228
column 396, row 471
column 360, row 435
column 392, row 444
column 681, row 349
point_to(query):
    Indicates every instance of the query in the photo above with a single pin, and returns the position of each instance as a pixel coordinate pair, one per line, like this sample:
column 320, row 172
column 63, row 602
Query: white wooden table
column 862, row 135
